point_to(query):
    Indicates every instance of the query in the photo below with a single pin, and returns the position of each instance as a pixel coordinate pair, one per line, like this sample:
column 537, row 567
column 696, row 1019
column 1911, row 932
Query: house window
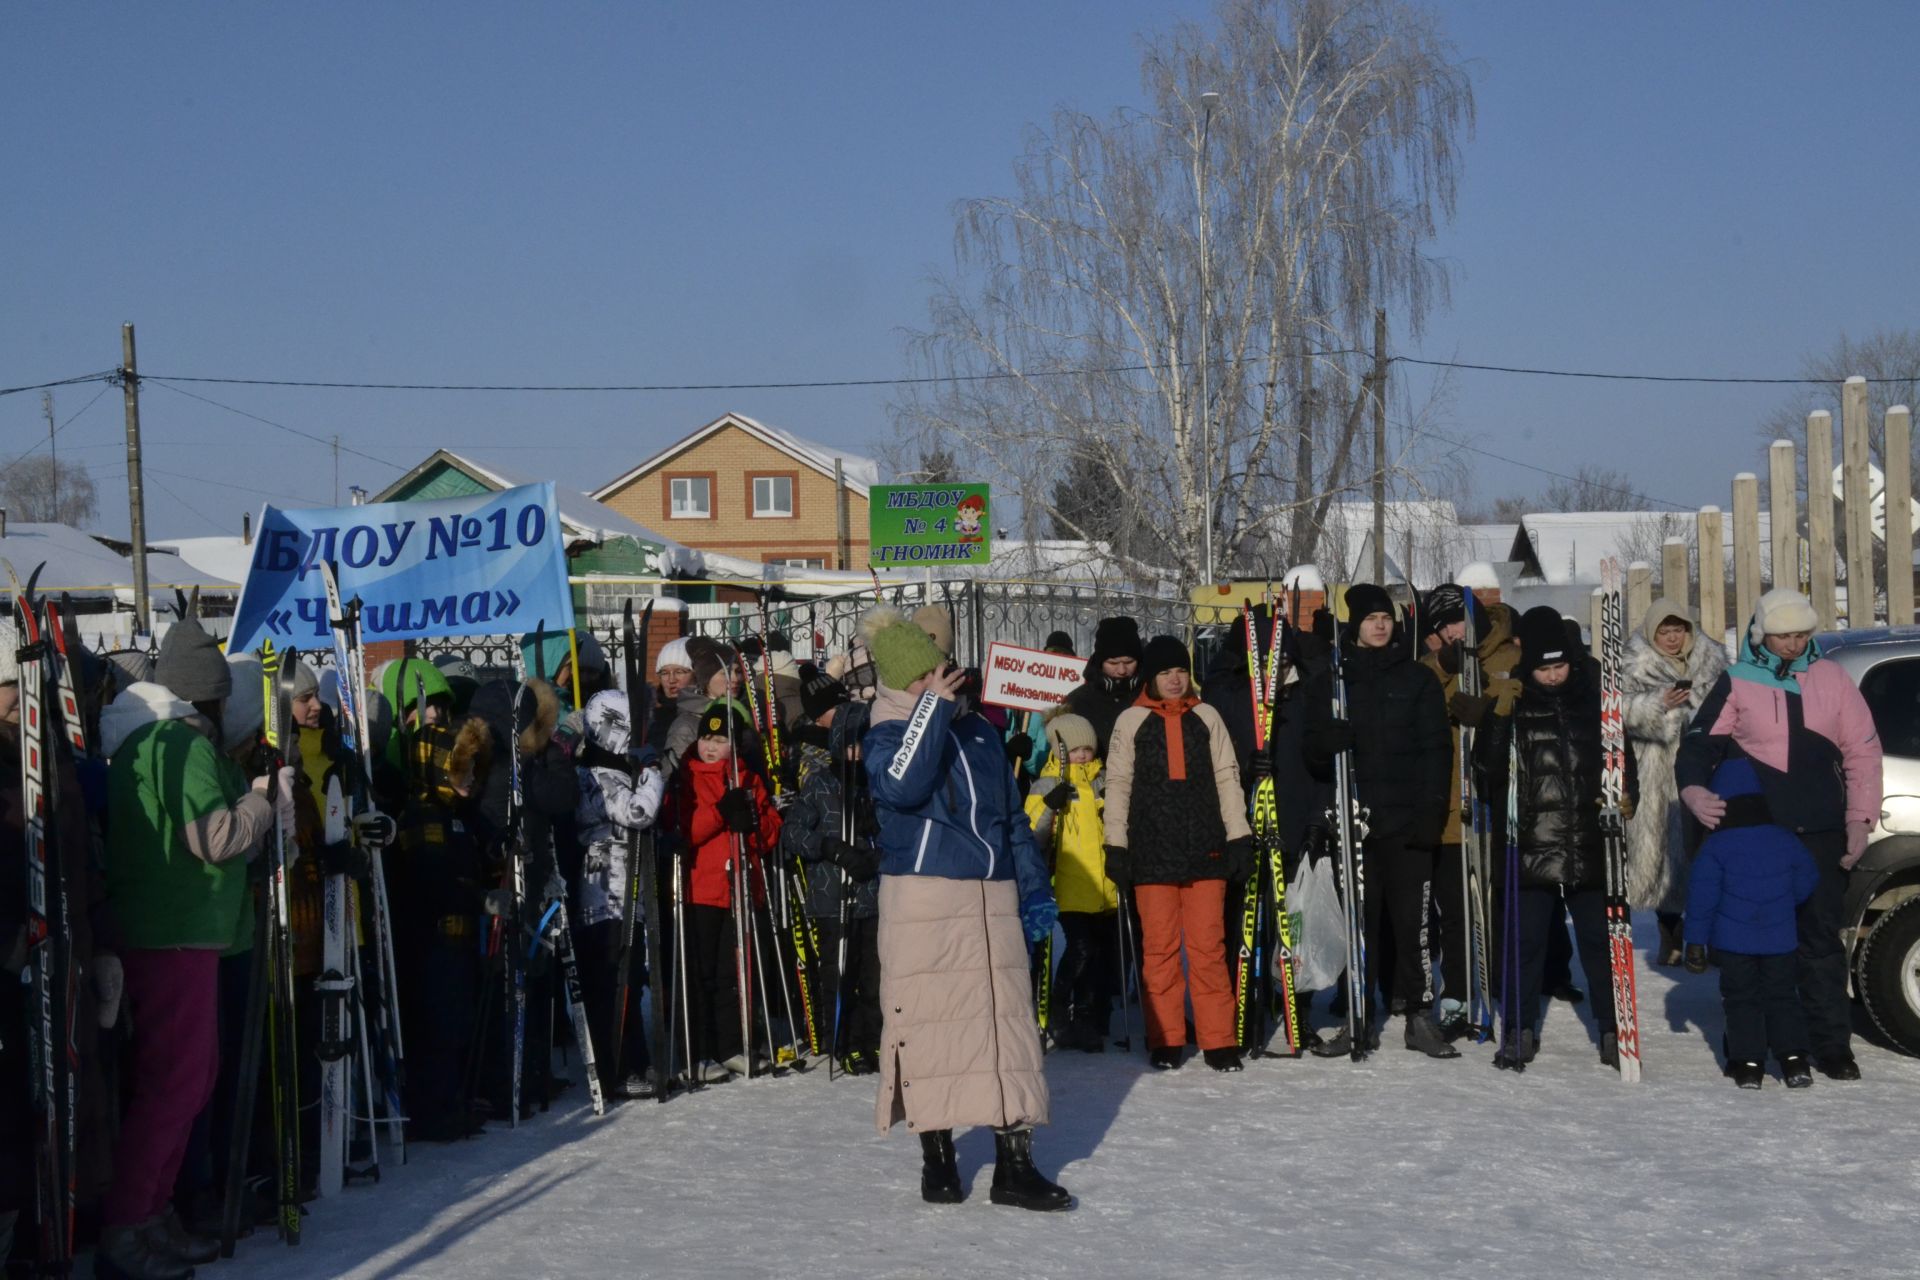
column 773, row 495
column 801, row 562
column 692, row 497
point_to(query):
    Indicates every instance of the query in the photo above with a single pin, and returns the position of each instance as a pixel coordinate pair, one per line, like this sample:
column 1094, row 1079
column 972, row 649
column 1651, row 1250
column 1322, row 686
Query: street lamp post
column 1208, row 101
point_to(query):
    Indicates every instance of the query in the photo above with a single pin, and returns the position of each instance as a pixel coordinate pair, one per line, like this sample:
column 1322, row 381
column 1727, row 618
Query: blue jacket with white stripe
column 947, row 800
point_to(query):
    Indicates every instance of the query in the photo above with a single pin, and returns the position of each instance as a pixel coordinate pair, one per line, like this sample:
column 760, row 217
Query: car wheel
column 1889, row 976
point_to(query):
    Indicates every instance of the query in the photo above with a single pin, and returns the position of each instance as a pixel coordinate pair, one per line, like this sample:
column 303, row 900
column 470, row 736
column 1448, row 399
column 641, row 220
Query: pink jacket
column 1755, row 716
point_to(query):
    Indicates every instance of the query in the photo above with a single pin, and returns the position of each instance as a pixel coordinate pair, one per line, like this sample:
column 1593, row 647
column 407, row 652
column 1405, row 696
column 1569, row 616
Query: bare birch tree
column 1071, row 328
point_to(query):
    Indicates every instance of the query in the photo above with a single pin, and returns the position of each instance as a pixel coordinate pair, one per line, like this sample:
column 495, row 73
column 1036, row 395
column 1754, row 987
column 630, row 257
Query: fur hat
column 673, row 654
column 820, row 694
column 1779, row 611
column 902, row 651
column 1543, row 638
column 938, row 624
column 192, row 665
column 470, row 754
column 540, row 717
column 1163, row 653
column 1116, row 638
column 1067, row 731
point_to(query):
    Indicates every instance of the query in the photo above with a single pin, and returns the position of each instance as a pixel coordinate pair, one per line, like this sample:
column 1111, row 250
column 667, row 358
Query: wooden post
column 1898, row 452
column 1713, row 576
column 1593, row 622
column 1783, row 516
column 1820, row 557
column 1674, row 583
column 136, row 495
column 1857, row 493
column 1639, row 592
column 1379, row 450
column 1746, row 546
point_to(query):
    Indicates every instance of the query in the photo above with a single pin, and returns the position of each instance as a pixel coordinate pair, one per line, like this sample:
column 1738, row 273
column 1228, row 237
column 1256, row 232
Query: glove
column 1059, row 798
column 858, row 861
column 1262, row 765
column 1336, row 736
column 499, row 902
column 109, row 981
column 373, row 830
column 1468, row 709
column 1119, row 865
column 1706, row 807
column 738, row 812
column 343, row 859
column 1019, row 747
column 1238, row 858
column 1696, row 957
column 1038, row 915
column 1857, row 834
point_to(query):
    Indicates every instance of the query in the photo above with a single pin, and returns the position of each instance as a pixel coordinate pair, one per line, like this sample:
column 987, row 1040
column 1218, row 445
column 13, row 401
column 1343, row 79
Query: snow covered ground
column 1396, row 1166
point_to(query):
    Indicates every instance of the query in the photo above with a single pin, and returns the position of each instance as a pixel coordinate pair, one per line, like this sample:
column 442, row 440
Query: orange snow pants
column 1196, row 910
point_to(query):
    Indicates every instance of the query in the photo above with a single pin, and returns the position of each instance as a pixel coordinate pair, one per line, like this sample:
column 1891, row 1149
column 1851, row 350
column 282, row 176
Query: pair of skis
column 52, row 970
column 1475, row 840
column 642, row 879
column 1349, row 821
column 1613, row 782
column 1266, row 935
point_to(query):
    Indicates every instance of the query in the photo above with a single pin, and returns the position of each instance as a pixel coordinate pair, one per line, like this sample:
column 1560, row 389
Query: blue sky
column 758, row 192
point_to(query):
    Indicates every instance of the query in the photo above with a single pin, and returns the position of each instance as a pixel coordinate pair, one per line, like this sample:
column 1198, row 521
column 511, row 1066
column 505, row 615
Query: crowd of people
column 898, row 859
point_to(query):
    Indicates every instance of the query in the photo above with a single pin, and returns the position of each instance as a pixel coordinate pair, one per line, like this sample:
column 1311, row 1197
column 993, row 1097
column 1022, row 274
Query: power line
column 22, row 457
column 1631, row 377
column 278, row 426
column 105, row 375
column 243, row 488
column 1546, row 471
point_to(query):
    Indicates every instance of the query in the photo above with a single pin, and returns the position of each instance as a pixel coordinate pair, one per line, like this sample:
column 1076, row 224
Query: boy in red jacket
column 721, row 809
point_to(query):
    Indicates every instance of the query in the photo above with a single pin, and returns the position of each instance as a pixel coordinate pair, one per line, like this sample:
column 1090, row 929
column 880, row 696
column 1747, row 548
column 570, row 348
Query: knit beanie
column 1116, row 638
column 714, row 721
column 1059, row 642
column 673, row 654
column 902, row 652
column 191, row 665
column 1067, row 732
column 821, row 693
column 1163, row 653
column 938, row 624
column 1445, row 605
column 455, row 667
column 1782, row 610
column 304, row 679
column 1364, row 599
column 1543, row 638
column 9, row 652
column 708, row 658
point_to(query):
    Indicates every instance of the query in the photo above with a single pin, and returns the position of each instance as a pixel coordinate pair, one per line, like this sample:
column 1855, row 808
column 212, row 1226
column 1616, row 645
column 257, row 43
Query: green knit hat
column 902, row 652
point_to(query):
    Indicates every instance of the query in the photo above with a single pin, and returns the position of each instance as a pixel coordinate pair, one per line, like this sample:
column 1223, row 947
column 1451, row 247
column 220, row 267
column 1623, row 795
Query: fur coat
column 1656, row 851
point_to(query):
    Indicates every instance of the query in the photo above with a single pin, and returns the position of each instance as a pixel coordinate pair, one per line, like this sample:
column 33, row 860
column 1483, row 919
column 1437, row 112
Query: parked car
column 1883, row 893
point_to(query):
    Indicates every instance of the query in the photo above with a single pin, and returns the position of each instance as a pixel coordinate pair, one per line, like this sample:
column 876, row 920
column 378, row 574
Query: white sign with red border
column 1029, row 679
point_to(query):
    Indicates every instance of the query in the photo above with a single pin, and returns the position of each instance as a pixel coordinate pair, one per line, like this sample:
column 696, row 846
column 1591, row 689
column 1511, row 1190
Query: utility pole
column 843, row 533
column 1380, row 449
column 53, row 451
column 1208, row 101
column 336, row 471
column 136, row 502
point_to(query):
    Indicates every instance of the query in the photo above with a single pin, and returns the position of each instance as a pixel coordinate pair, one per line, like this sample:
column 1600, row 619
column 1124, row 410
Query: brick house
column 745, row 490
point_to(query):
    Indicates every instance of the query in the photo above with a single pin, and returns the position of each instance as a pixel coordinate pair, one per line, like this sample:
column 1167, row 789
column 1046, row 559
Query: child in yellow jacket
column 1066, row 808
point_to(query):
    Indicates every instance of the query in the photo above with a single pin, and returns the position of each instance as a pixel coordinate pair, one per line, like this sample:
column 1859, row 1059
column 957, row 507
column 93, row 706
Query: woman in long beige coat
column 963, row 893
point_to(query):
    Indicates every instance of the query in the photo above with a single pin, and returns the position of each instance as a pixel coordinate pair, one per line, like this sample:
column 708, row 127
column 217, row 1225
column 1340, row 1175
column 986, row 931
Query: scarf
column 1170, row 710
column 1758, row 664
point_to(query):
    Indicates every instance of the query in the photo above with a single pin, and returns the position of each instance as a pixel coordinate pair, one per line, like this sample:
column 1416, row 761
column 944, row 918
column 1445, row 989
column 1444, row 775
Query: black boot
column 1016, row 1181
column 939, row 1178
column 1227, row 1059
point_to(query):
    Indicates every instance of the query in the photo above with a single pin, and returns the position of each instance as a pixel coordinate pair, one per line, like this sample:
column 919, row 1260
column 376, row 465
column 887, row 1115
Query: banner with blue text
column 485, row 564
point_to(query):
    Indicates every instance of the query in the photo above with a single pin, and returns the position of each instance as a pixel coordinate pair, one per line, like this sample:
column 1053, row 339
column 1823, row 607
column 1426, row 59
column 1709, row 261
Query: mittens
column 1239, row 858
column 1038, row 915
column 1119, row 865
column 738, row 812
column 858, row 861
column 1059, row 797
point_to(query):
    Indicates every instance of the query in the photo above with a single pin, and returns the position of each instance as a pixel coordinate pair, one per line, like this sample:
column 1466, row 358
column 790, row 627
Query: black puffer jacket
column 1403, row 748
column 815, row 815
column 1557, row 732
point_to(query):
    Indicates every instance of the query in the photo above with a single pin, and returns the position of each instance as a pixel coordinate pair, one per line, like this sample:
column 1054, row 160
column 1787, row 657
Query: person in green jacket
column 182, row 826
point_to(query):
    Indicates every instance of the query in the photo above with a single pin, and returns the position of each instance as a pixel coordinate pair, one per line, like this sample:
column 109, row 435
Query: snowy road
column 1397, row 1166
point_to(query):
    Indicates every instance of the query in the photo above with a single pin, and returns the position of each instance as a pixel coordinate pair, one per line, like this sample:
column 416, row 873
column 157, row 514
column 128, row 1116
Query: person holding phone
column 1667, row 669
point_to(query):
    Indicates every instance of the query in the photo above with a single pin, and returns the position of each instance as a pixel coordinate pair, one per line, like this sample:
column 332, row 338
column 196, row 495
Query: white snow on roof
column 82, row 566
column 222, row 556
column 1564, row 548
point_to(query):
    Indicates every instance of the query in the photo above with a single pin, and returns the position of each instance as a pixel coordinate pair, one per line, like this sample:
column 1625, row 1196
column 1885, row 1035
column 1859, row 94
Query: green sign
column 926, row 524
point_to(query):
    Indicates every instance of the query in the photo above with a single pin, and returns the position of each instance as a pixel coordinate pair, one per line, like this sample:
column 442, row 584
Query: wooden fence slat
column 1746, row 546
column 1898, row 452
column 1820, row 553
column 1857, row 494
column 1639, row 592
column 1713, row 575
column 1783, row 516
column 1674, row 578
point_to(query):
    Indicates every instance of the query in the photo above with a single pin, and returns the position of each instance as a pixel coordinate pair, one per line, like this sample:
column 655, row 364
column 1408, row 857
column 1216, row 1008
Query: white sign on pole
column 1029, row 679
